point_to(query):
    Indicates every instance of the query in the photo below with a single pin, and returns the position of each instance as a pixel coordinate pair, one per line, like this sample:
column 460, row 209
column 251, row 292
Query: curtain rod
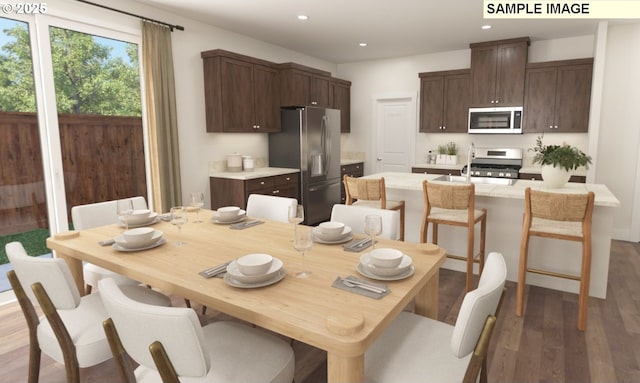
column 171, row 26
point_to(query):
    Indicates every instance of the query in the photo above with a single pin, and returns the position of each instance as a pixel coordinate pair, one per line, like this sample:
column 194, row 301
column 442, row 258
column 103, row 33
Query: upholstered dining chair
column 99, row 214
column 372, row 192
column 70, row 331
column 270, row 207
column 419, row 349
column 557, row 216
column 353, row 216
column 223, row 351
column 455, row 205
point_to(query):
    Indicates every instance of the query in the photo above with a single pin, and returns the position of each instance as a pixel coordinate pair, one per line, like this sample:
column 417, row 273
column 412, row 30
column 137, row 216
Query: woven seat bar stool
column 454, row 205
column 371, row 192
column 557, row 216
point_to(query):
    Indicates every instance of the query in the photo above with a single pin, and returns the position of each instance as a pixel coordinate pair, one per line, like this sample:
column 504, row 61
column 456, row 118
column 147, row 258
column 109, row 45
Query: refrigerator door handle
column 326, row 143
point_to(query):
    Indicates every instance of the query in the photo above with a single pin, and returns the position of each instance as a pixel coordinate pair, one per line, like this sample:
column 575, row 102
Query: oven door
column 507, row 120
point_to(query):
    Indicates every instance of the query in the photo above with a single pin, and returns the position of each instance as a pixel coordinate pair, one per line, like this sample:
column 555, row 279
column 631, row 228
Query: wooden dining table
column 310, row 310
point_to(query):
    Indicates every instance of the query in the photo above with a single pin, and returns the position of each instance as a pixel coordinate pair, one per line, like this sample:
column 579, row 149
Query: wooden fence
column 102, row 156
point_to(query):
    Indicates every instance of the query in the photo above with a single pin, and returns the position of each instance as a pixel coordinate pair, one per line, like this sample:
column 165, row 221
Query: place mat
column 357, row 290
column 358, row 246
column 244, row 225
column 215, row 271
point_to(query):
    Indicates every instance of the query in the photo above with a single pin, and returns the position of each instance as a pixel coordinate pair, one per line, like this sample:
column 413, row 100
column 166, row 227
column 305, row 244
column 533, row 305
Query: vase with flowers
column 558, row 161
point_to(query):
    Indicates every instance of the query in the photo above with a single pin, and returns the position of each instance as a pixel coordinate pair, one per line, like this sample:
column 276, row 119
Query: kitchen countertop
column 257, row 173
column 350, row 162
column 413, row 181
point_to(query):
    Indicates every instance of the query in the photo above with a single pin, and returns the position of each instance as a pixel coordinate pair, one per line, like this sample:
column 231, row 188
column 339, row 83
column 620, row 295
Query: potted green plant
column 558, row 161
column 447, row 154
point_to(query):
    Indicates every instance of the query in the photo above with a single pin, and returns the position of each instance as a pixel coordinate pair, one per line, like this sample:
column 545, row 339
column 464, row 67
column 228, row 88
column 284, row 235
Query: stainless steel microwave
column 501, row 120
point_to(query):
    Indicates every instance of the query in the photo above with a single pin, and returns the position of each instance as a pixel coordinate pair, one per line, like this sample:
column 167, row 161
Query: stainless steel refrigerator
column 310, row 141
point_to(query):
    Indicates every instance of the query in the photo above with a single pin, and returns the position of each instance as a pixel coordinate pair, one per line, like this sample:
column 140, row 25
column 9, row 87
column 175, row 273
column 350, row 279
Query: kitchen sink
column 478, row 180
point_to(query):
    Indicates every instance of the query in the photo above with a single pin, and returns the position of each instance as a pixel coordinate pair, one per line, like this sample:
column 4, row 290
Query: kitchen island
column 505, row 207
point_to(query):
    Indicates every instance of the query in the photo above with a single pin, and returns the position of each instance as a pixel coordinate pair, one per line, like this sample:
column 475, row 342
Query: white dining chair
column 270, row 207
column 222, row 351
column 416, row 349
column 71, row 331
column 353, row 216
column 99, row 214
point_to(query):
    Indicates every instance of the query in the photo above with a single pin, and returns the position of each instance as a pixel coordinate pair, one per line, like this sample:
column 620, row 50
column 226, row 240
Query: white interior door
column 395, row 126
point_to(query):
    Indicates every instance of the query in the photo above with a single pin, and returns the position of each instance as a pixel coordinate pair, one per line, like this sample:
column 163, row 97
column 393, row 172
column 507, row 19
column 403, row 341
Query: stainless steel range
column 496, row 163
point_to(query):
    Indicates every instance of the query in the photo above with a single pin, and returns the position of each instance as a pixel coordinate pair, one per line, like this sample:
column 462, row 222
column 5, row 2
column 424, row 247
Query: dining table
column 309, row 310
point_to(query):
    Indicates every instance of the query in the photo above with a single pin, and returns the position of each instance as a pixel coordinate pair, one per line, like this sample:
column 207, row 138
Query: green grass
column 34, row 242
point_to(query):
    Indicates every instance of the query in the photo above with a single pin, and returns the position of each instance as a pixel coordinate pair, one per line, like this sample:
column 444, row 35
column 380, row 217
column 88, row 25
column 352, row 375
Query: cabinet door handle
column 261, row 182
column 314, row 102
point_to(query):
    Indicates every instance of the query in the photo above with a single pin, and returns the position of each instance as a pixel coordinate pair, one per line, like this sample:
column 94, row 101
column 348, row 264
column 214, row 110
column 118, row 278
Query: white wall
column 619, row 138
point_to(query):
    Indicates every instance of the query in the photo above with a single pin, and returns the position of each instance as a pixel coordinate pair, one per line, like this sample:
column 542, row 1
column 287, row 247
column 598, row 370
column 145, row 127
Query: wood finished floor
column 542, row 346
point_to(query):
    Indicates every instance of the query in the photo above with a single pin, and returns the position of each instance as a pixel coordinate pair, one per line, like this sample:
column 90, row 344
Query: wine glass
column 296, row 215
column 178, row 218
column 303, row 241
column 197, row 201
column 373, row 227
column 124, row 208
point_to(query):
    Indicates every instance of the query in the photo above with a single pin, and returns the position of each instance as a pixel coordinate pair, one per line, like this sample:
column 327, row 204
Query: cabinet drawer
column 286, row 180
column 355, row 170
column 257, row 184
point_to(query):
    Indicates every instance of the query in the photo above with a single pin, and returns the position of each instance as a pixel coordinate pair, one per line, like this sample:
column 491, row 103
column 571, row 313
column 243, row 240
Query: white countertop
column 350, row 162
column 413, row 181
column 256, row 173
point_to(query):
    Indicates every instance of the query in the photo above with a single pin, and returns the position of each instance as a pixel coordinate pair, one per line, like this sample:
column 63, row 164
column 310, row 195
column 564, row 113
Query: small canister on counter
column 247, row 163
column 234, row 162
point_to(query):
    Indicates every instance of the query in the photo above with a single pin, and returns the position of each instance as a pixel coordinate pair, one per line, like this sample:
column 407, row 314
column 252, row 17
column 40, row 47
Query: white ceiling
column 390, row 28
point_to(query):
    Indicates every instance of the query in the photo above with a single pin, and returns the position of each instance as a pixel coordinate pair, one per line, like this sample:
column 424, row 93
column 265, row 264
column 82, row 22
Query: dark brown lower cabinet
column 352, row 170
column 234, row 192
column 538, row 177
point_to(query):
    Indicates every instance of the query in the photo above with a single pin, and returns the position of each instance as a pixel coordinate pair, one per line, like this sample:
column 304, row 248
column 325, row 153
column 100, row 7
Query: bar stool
column 557, row 216
column 371, row 192
column 450, row 204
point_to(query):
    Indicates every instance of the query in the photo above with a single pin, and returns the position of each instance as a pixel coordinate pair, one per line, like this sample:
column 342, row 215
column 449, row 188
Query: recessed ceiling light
column 363, row 44
column 486, row 27
column 303, row 17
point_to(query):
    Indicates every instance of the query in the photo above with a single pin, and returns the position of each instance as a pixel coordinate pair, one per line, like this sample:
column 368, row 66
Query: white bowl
column 331, row 238
column 120, row 241
column 404, row 265
column 235, row 273
column 254, row 264
column 137, row 216
column 228, row 212
column 140, row 235
column 331, row 228
column 385, row 257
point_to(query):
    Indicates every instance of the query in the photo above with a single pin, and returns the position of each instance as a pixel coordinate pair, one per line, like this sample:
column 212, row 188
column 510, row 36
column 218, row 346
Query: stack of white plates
column 219, row 219
column 403, row 270
column 322, row 237
column 121, row 244
column 235, row 278
column 140, row 220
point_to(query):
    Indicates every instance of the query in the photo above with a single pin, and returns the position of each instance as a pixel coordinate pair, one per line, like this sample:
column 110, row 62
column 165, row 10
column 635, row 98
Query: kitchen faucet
column 470, row 154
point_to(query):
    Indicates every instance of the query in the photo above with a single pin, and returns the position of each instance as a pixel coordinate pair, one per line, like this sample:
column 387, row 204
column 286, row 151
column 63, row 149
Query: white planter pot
column 554, row 177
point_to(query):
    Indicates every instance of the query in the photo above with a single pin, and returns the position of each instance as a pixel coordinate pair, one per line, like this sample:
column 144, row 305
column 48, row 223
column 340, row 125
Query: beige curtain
column 157, row 63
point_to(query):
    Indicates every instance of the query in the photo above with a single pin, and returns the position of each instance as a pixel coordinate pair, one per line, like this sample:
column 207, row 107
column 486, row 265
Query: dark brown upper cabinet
column 498, row 72
column 340, row 97
column 444, row 101
column 241, row 93
column 557, row 96
column 304, row 86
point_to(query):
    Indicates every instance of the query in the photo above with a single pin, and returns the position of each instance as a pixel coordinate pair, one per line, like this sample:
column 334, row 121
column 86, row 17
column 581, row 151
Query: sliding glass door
column 23, row 203
column 71, row 129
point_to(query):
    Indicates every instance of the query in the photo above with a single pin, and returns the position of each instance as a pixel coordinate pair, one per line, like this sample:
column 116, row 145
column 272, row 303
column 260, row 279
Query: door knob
column 379, row 158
